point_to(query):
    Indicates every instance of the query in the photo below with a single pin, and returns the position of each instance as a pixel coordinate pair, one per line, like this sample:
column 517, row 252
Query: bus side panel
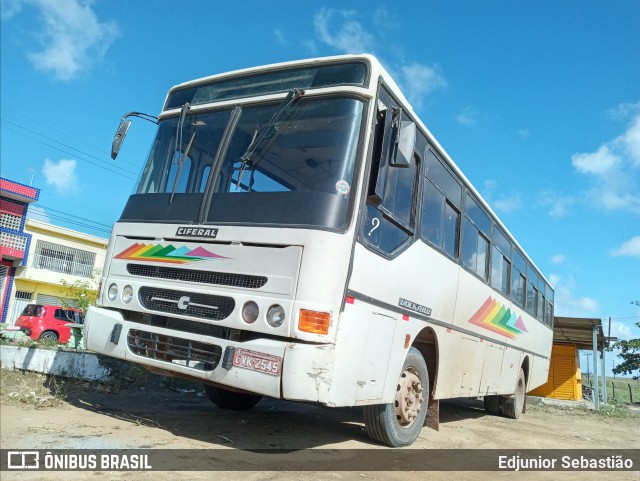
column 424, row 277
column 494, row 318
column 364, row 349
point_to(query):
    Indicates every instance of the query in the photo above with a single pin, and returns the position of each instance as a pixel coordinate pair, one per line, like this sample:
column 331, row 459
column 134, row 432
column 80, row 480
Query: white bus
column 298, row 233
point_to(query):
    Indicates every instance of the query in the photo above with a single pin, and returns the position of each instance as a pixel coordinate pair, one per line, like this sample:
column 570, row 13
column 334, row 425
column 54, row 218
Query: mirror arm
column 123, row 128
column 141, row 115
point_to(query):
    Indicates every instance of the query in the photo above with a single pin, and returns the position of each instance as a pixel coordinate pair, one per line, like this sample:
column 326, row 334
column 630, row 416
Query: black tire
column 492, row 405
column 399, row 423
column 513, row 407
column 49, row 336
column 237, row 401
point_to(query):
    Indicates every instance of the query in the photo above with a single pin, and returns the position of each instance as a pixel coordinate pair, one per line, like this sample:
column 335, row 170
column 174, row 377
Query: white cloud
column 558, row 259
column 557, row 204
column 280, row 37
column 567, row 303
column 341, row 30
column 624, row 111
column 523, row 133
column 420, row 80
column 618, row 329
column 468, row 117
column 629, row 248
column 345, row 31
column 71, row 36
column 615, row 167
column 598, row 162
column 504, row 203
column 9, row 8
column 630, row 142
column 61, row 174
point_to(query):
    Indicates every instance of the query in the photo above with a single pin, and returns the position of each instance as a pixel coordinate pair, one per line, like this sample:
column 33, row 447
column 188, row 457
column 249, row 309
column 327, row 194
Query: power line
column 67, row 220
column 50, row 209
column 97, row 149
column 121, row 172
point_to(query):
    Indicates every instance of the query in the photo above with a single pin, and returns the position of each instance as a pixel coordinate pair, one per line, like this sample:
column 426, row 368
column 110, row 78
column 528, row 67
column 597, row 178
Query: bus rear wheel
column 399, row 423
column 513, row 406
column 237, row 401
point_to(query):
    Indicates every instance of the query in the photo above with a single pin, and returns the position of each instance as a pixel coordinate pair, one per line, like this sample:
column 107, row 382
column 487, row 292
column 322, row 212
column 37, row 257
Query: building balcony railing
column 62, row 266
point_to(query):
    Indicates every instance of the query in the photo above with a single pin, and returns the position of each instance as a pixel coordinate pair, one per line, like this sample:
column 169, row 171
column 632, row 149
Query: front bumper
column 200, row 356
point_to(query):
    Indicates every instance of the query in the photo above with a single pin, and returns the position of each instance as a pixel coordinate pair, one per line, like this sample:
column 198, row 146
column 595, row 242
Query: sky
column 538, row 102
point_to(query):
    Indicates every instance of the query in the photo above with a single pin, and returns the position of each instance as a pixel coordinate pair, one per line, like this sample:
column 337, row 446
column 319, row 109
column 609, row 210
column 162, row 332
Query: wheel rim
column 408, row 398
column 47, row 336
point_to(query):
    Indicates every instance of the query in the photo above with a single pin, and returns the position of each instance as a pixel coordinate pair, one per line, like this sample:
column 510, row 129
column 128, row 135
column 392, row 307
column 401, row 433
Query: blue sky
column 537, row 101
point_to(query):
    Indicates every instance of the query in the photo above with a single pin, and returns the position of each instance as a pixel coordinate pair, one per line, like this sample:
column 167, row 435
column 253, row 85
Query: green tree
column 630, row 353
column 79, row 294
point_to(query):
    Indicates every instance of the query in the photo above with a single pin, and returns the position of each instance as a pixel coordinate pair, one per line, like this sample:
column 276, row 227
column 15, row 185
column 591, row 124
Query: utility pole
column 588, row 370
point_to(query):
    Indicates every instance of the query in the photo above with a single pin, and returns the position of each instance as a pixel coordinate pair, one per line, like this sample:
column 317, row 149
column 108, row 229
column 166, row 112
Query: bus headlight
column 250, row 312
column 275, row 316
column 127, row 294
column 112, row 293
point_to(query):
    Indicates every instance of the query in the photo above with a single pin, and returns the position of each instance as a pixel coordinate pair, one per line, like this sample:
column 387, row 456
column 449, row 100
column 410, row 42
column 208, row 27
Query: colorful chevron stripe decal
column 494, row 317
column 168, row 254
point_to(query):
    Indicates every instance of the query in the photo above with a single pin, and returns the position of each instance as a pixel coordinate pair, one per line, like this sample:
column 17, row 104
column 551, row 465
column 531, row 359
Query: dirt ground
column 35, row 414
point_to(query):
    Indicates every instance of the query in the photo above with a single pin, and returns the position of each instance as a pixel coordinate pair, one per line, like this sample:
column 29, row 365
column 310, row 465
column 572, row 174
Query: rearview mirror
column 119, row 137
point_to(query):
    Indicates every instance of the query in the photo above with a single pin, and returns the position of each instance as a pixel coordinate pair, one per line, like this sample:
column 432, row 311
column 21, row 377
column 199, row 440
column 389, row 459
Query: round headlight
column 127, row 294
column 250, row 312
column 112, row 293
column 275, row 316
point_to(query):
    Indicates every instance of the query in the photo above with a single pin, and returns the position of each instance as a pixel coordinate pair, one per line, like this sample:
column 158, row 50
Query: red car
column 48, row 322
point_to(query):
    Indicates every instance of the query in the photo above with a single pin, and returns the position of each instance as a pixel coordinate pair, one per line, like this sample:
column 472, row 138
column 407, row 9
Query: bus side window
column 390, row 213
column 542, row 299
column 441, row 206
column 518, row 278
column 500, row 262
column 475, row 242
column 532, row 291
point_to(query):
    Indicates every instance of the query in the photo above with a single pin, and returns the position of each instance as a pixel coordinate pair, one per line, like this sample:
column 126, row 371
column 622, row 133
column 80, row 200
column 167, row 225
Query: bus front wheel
column 237, row 401
column 399, row 423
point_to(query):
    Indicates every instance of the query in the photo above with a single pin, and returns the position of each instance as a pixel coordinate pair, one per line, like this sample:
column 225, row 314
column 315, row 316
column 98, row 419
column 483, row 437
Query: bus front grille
column 202, row 277
column 174, row 350
column 203, row 306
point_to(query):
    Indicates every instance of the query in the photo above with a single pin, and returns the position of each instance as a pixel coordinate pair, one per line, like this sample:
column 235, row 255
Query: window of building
column 63, row 259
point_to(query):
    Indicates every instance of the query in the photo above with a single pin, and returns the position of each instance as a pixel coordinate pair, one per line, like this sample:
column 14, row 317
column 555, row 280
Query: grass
column 36, row 389
column 621, row 390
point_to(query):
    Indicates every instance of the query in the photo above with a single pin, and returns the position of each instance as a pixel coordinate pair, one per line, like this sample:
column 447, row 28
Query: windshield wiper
column 261, row 133
column 181, row 156
column 180, row 164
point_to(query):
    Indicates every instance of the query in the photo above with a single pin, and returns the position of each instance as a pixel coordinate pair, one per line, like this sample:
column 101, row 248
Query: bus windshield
column 300, row 173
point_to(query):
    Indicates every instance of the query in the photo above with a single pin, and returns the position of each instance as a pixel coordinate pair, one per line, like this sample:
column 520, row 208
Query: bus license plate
column 257, row 361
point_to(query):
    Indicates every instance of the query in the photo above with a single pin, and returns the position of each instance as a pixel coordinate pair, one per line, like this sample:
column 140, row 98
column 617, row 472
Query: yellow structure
column 565, row 379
